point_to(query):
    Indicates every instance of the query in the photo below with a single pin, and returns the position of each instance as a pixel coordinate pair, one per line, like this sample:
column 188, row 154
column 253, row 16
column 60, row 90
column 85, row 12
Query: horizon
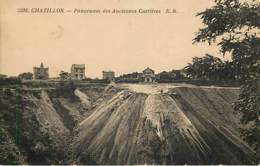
column 123, row 43
column 156, row 72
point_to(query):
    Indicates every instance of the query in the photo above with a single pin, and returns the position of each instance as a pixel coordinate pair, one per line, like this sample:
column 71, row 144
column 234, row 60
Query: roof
column 42, row 65
column 108, row 71
column 78, row 65
column 148, row 69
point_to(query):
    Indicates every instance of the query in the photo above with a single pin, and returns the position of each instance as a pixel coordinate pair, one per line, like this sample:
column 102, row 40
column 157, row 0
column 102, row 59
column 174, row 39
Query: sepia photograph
column 130, row 82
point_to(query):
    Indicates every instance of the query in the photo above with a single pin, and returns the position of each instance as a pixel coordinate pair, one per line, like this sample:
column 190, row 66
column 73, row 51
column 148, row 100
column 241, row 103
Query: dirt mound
column 197, row 126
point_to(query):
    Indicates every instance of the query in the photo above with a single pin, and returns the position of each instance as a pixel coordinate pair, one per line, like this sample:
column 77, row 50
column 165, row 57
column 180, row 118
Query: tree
column 129, row 78
column 235, row 26
column 207, row 67
column 65, row 75
column 26, row 76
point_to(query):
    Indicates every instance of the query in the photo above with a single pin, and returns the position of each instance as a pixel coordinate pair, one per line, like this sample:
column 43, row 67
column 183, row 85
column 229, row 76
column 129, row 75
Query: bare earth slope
column 36, row 124
column 184, row 124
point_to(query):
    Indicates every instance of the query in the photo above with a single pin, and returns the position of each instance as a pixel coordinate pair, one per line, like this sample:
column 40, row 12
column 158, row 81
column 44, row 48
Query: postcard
column 129, row 82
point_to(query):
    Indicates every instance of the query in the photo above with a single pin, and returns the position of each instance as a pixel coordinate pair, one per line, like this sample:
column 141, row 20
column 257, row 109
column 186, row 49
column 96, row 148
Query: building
column 78, row 72
column 108, row 75
column 41, row 73
column 148, row 75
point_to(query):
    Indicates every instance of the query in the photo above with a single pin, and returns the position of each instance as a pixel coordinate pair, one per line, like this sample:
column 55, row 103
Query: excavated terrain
column 121, row 124
column 153, row 124
column 37, row 124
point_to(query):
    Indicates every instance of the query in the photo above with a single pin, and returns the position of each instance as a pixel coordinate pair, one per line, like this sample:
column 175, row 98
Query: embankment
column 186, row 125
column 121, row 124
column 37, row 124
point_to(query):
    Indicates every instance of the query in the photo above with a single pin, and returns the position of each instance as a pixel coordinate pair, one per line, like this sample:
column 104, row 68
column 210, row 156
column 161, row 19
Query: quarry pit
column 127, row 124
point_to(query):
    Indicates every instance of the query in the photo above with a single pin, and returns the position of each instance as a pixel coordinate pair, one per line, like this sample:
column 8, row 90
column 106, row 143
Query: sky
column 123, row 43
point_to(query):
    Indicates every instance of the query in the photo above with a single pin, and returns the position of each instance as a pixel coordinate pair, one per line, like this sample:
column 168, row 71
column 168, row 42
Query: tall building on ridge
column 78, row 72
column 148, row 75
column 41, row 73
column 108, row 75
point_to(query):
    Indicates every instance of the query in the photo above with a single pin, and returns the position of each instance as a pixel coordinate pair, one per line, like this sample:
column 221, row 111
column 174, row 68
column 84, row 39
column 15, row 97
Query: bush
column 66, row 89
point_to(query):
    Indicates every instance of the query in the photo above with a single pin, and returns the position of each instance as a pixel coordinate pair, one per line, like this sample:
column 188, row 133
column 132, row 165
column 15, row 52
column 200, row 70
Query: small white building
column 78, row 72
column 108, row 75
column 148, row 75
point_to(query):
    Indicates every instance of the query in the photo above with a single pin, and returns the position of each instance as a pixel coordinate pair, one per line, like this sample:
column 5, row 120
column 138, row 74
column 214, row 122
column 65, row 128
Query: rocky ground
column 121, row 124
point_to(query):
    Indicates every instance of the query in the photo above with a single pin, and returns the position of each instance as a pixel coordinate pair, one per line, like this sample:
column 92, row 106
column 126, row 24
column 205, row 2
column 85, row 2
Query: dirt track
column 156, row 88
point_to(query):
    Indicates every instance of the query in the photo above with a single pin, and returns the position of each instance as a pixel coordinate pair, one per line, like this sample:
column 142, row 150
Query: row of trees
column 129, row 78
column 162, row 77
column 26, row 76
column 206, row 68
column 171, row 76
column 212, row 68
column 201, row 68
